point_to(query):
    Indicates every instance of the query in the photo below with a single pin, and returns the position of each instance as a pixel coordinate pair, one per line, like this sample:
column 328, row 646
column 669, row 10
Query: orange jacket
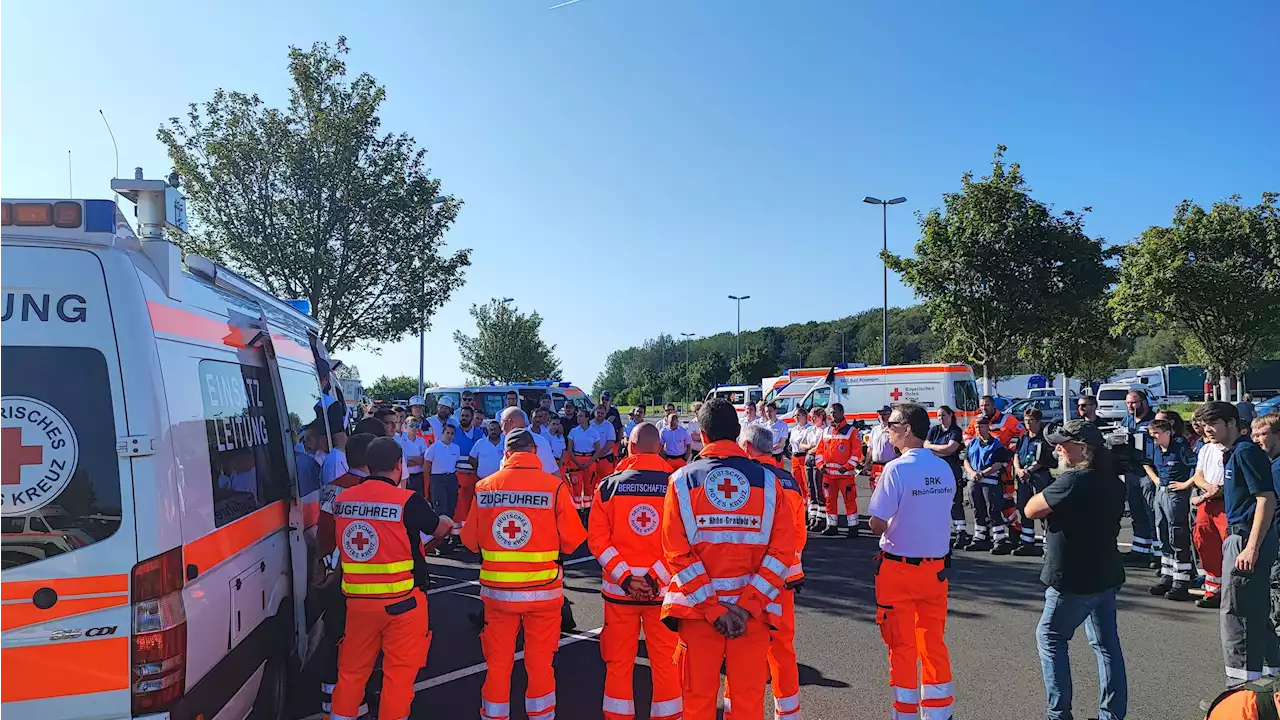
column 623, row 533
column 520, row 521
column 794, row 492
column 1004, row 426
column 377, row 559
column 841, row 450
column 727, row 535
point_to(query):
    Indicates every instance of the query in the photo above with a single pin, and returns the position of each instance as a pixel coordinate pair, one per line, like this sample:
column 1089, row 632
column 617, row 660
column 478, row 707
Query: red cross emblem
column 16, row 455
column 727, row 487
column 512, row 529
column 644, row 519
column 896, row 394
column 359, row 540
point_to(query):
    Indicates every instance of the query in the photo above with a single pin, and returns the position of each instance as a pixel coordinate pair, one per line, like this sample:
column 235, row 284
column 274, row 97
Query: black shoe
column 1028, row 550
column 1160, row 589
column 1004, row 547
column 1179, row 593
column 1197, row 581
column 979, row 546
column 962, row 540
column 831, row 531
column 852, row 533
column 1209, row 602
column 1155, row 563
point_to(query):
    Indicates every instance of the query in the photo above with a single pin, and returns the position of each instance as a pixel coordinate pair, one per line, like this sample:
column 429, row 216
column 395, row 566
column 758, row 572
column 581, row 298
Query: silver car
column 1050, row 408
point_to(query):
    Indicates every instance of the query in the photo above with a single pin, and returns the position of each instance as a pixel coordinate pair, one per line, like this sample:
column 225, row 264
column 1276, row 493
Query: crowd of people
column 699, row 528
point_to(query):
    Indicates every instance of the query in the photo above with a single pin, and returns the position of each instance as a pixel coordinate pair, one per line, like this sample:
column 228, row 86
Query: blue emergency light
column 302, row 305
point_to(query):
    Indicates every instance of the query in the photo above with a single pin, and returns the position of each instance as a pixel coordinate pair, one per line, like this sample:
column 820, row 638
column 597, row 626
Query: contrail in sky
column 567, row 2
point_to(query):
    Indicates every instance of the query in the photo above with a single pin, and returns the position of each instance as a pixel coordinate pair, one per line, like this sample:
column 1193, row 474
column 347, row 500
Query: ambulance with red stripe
column 155, row 498
column 864, row 390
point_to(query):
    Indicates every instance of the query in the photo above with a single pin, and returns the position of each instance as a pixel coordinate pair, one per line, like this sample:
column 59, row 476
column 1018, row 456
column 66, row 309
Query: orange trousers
column 619, row 642
column 1207, row 534
column 835, row 486
column 582, row 483
column 397, row 628
column 797, row 472
column 783, row 668
column 502, row 622
column 911, row 610
column 701, row 653
column 466, row 493
column 676, row 462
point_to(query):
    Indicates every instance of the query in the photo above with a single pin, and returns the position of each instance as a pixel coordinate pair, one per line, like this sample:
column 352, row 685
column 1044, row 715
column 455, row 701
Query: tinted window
column 430, row 399
column 244, row 439
column 818, row 398
column 61, row 474
column 529, row 398
column 966, row 395
column 1113, row 395
column 491, row 403
column 736, row 397
column 301, row 394
column 755, row 394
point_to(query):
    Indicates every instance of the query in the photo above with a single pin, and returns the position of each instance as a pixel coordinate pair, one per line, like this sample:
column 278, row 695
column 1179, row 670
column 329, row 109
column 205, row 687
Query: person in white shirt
column 634, row 418
column 514, row 417
column 335, row 462
column 695, row 431
column 580, row 462
column 606, row 446
column 415, row 452
column 749, row 414
column 513, row 401
column 911, row 509
column 676, row 442
column 488, row 451
column 443, row 456
column 880, row 448
column 1209, row 529
column 443, row 416
column 778, row 427
column 555, row 436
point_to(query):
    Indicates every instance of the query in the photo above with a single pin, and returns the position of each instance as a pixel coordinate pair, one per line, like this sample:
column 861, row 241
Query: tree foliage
column 1215, row 274
column 754, row 363
column 507, row 346
column 994, row 263
column 314, row 201
column 401, row 387
column 347, row 372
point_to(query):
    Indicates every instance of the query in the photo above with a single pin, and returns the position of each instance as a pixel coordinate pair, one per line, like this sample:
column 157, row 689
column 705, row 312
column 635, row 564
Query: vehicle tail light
column 159, row 657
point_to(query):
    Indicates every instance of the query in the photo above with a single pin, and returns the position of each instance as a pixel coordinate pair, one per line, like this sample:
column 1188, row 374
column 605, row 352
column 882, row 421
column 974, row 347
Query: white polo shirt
column 584, row 441
column 437, row 427
column 914, row 495
column 695, row 432
column 604, row 433
column 675, row 442
column 335, row 466
column 488, row 456
column 779, row 428
column 1209, row 463
column 443, row 458
column 411, row 448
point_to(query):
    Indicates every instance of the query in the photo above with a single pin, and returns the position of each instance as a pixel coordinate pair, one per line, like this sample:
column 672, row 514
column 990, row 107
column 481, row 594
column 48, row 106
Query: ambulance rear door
column 69, row 538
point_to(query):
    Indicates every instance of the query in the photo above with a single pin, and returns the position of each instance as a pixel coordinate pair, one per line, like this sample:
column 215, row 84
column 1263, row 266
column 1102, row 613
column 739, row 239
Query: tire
column 273, row 693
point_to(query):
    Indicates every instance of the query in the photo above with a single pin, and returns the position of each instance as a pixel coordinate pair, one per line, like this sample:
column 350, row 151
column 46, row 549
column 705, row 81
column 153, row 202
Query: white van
column 153, row 411
column 864, row 390
column 1111, row 398
column 491, row 399
column 737, row 395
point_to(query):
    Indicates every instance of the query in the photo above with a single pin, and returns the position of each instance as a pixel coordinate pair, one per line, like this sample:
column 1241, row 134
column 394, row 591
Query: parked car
column 1266, row 407
column 1050, row 408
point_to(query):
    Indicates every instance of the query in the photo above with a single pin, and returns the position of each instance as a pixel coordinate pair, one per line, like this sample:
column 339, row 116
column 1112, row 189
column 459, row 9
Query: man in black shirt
column 611, row 413
column 1082, row 568
column 1032, row 460
column 946, row 440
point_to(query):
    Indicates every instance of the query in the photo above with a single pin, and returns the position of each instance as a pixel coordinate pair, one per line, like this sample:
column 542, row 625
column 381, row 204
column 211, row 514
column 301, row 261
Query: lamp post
column 422, row 331
column 687, row 370
column 737, row 343
column 884, row 208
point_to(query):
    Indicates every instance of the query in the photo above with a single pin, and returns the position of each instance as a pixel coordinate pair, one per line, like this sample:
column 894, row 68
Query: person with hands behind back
column 729, row 562
column 623, row 534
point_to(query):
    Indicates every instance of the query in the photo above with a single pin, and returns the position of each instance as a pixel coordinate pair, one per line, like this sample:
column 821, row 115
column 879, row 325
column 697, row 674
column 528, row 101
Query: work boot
column 852, row 532
column 1209, row 602
column 1160, row 589
column 979, row 546
column 1179, row 593
column 1155, row 562
column 962, row 540
column 1004, row 547
column 1028, row 550
column 831, row 531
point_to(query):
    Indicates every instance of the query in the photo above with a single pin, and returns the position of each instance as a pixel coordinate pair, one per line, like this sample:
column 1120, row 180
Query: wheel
column 273, row 694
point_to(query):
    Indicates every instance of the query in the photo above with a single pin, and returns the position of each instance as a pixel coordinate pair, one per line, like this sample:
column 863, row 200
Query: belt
column 584, row 454
column 1241, row 530
column 911, row 560
column 799, row 454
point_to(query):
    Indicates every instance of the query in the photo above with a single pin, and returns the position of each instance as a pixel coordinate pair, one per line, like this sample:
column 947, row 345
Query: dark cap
column 886, row 409
column 1077, row 430
column 520, row 440
column 606, row 395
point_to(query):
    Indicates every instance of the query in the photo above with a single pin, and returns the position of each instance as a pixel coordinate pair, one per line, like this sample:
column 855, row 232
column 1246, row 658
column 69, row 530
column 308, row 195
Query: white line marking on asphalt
column 469, row 583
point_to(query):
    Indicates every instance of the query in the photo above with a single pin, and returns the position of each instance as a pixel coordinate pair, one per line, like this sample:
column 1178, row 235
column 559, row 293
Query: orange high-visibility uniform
column 386, row 610
column 581, row 480
column 728, row 537
column 331, row 599
column 783, row 667
column 623, row 535
column 520, row 521
column 1008, row 428
column 841, row 451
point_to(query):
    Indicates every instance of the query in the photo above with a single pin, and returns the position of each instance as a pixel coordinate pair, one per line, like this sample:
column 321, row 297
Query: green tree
column 1214, row 274
column 347, row 372
column 314, row 201
column 1079, row 346
column 994, row 263
column 754, row 363
column 401, row 387
column 507, row 346
column 708, row 371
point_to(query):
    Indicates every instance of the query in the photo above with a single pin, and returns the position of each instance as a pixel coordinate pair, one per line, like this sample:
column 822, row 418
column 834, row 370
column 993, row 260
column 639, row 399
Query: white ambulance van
column 152, row 408
column 737, row 395
column 864, row 390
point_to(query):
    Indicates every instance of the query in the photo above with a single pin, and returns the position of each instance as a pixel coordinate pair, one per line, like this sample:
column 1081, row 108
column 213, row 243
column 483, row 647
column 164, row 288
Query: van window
column 1113, row 394
column 244, row 437
column 818, row 398
column 530, row 397
column 61, row 473
column 755, row 394
column 431, row 399
column 735, row 397
column 491, row 403
column 966, row 396
column 301, row 394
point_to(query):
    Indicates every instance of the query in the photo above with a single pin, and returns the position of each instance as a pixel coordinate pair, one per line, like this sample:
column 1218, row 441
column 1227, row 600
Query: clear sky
column 626, row 164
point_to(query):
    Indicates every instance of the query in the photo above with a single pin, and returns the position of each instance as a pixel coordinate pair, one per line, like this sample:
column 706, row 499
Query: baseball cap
column 606, row 395
column 445, row 401
column 416, row 400
column 1077, row 430
column 886, row 409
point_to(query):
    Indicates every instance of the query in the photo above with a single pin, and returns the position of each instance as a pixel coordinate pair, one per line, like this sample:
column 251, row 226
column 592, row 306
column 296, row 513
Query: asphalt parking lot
column 1171, row 649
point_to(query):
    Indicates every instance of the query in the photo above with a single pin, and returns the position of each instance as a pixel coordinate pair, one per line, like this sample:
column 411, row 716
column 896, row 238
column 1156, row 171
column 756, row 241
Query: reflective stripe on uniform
column 376, row 588
column 513, row 576
column 784, row 705
column 666, row 708
column 516, row 556
column 731, row 537
column 495, row 710
column 620, row 706
column 609, row 554
column 774, row 564
column 546, row 702
column 621, row 570
column 937, row 691
column 377, row 568
column 693, row 599
column 678, row 479
column 520, row 595
column 660, row 571
column 689, row 574
column 731, row 583
column 765, row 587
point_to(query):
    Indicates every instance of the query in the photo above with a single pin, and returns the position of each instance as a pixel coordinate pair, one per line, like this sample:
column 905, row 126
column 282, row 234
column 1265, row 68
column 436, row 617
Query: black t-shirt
column 940, row 436
column 418, row 518
column 1080, row 544
column 611, row 415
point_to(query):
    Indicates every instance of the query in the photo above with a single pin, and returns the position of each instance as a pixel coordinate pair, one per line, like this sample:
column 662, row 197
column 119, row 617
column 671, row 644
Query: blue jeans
column 1063, row 613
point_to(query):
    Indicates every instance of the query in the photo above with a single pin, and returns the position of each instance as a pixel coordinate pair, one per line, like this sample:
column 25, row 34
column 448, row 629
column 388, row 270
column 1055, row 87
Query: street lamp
column 737, row 343
column 422, row 331
column 687, row 372
column 842, row 334
column 884, row 208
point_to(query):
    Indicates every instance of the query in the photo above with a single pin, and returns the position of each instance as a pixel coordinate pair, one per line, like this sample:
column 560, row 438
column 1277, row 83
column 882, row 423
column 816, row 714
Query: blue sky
column 666, row 153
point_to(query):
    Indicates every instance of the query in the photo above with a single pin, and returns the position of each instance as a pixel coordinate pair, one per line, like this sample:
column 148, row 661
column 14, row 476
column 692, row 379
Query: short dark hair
column 1175, row 418
column 1033, row 412
column 358, row 449
column 372, row 426
column 833, row 406
column 771, row 404
column 384, row 413
column 719, row 420
column 946, row 409
column 513, row 392
column 916, row 416
column 384, row 455
column 992, row 398
column 1161, row 425
column 1216, row 410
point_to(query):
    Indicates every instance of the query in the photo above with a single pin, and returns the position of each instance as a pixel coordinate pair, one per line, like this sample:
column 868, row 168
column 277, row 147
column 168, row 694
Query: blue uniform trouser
column 1172, row 512
column 1250, row 648
column 1142, row 495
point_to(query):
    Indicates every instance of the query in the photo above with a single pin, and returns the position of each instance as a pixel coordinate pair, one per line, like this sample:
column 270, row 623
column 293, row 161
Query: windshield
column 736, row 397
column 1113, row 395
column 432, row 397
